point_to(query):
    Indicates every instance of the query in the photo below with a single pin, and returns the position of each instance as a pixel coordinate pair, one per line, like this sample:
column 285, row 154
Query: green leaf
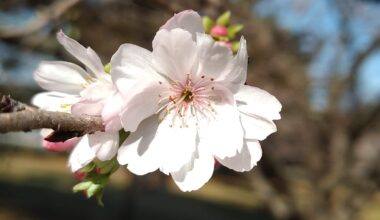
column 83, row 186
column 234, row 29
column 207, row 23
column 224, row 19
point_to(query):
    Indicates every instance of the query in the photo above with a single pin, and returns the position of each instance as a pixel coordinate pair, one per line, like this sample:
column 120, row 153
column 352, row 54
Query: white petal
column 214, row 60
column 81, row 155
column 141, row 103
column 88, row 107
column 246, row 159
column 94, row 98
column 174, row 53
column 238, row 74
column 138, row 151
column 223, row 134
column 54, row 101
column 111, row 111
column 188, row 20
column 104, row 144
column 85, row 55
column 60, row 76
column 196, row 173
column 256, row 127
column 129, row 64
column 177, row 144
column 255, row 101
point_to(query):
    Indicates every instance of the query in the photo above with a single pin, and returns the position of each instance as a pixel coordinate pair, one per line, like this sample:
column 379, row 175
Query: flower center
column 187, row 102
column 187, row 96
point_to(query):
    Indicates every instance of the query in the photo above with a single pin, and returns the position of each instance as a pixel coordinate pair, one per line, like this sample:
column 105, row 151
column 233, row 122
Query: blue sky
column 319, row 21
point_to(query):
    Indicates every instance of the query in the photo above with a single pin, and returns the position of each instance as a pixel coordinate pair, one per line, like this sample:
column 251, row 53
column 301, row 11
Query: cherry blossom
column 78, row 91
column 186, row 105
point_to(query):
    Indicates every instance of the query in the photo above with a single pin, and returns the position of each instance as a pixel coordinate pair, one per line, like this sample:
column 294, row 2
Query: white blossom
column 186, row 105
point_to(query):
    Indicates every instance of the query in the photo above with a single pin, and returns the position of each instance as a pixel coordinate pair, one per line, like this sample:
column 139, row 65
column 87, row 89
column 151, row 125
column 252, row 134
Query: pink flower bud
column 225, row 44
column 79, row 175
column 219, row 31
column 60, row 146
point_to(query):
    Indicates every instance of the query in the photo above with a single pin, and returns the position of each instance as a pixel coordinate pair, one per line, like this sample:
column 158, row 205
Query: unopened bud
column 219, row 31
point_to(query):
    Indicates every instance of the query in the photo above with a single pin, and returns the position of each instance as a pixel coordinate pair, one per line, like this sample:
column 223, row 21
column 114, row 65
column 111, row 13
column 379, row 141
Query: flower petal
column 104, row 144
column 196, row 173
column 142, row 102
column 60, row 146
column 132, row 63
column 238, row 74
column 60, row 76
column 111, row 111
column 246, row 159
column 54, row 101
column 188, row 20
column 214, row 60
column 223, row 134
column 256, row 127
column 177, row 142
column 85, row 55
column 174, row 53
column 94, row 98
column 138, row 152
column 255, row 101
column 81, row 155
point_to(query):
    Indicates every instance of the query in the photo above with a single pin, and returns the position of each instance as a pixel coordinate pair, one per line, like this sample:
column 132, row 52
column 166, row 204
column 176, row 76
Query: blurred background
column 320, row 58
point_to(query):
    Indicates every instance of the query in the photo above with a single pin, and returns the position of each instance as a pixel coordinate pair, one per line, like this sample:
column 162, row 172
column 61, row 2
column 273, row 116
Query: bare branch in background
column 43, row 17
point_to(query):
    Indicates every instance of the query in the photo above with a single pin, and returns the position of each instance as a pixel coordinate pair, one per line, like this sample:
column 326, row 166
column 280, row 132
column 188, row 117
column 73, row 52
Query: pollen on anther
column 160, row 82
column 212, row 88
column 212, row 79
column 202, row 77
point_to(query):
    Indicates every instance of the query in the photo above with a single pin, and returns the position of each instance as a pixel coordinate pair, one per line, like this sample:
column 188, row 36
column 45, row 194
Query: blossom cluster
column 184, row 105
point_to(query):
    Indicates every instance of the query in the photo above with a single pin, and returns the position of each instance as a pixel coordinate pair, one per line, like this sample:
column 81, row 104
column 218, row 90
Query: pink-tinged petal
column 256, row 127
column 60, row 146
column 81, row 155
column 257, row 102
column 94, row 98
column 60, row 76
column 104, row 144
column 225, row 44
column 88, row 107
column 196, row 173
column 111, row 112
column 188, row 20
column 138, row 152
column 85, row 55
column 54, row 101
column 246, row 159
column 142, row 102
column 214, row 60
column 132, row 63
column 223, row 133
column 174, row 53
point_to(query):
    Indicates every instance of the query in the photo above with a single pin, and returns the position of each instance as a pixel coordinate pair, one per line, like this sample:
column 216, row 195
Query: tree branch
column 27, row 118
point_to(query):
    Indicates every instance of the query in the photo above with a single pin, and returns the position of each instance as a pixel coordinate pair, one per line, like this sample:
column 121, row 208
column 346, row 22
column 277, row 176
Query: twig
column 29, row 118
